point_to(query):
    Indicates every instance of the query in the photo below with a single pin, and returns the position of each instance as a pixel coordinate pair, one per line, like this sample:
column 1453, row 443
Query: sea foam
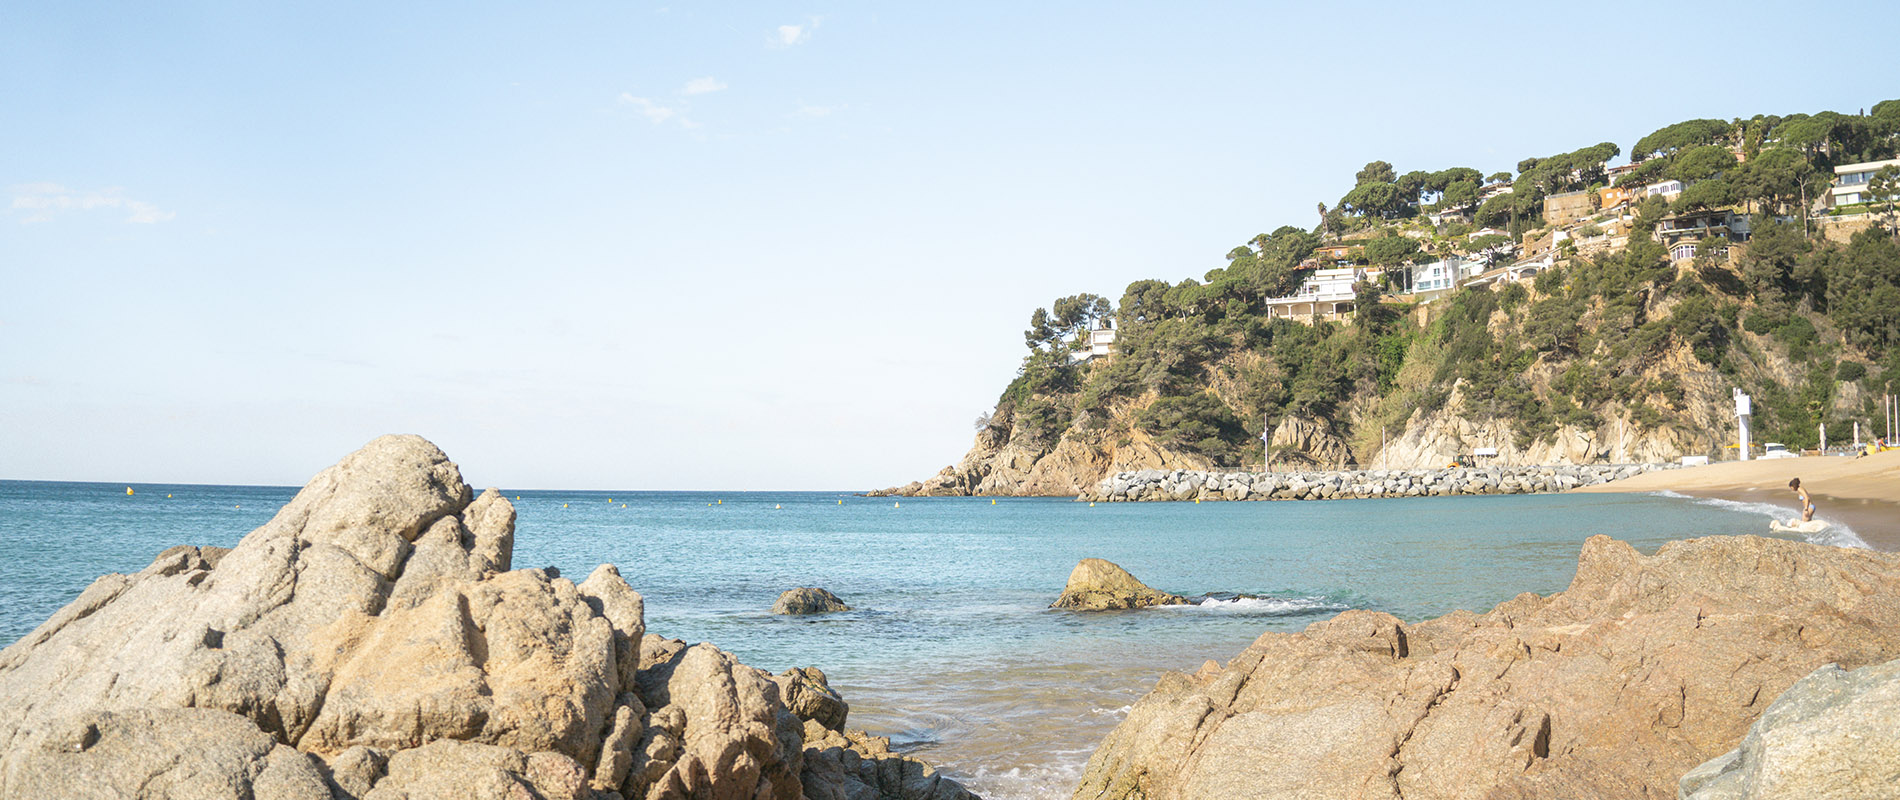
column 1837, row 534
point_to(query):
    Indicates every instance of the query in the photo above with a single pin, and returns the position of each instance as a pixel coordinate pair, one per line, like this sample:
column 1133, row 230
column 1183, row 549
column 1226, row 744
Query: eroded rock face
column 1098, row 585
column 808, row 600
column 1834, row 735
column 1643, row 668
column 371, row 641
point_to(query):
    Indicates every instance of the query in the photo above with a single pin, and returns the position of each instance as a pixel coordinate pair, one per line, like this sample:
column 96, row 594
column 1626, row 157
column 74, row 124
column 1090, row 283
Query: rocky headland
column 1157, row 485
column 1643, row 669
column 374, row 641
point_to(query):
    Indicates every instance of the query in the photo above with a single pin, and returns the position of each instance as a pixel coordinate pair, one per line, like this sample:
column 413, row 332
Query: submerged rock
column 372, row 641
column 808, row 600
column 1834, row 734
column 1614, row 688
column 1098, row 585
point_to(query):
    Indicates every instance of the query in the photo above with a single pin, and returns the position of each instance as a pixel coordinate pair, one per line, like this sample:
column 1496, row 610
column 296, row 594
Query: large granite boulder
column 1834, row 735
column 371, row 641
column 1614, row 688
column 808, row 600
column 1098, row 585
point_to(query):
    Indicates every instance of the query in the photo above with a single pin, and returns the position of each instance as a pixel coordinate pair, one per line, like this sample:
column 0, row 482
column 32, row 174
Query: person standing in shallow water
column 1807, row 503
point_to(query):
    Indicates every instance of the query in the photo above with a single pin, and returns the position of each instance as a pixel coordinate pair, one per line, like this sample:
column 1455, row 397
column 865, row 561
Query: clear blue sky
column 668, row 246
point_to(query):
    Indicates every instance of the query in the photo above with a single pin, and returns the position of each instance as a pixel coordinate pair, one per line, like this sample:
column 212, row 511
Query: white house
column 1850, row 181
column 1667, row 189
column 1327, row 293
column 1101, row 342
column 1439, row 275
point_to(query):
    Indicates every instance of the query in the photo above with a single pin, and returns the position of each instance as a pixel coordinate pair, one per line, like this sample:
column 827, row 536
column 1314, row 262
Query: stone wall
column 1154, row 485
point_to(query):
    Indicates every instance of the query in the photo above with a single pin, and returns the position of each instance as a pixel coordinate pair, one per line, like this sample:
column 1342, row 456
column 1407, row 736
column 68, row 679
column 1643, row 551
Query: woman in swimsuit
column 1807, row 503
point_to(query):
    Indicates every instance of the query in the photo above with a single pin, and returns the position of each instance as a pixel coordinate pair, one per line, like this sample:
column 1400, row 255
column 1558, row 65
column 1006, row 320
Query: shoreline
column 1863, row 493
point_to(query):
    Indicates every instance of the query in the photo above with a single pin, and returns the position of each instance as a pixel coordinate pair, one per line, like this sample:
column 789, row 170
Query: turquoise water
column 951, row 650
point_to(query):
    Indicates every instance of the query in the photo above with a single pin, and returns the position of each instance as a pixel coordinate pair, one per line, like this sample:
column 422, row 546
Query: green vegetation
column 1621, row 334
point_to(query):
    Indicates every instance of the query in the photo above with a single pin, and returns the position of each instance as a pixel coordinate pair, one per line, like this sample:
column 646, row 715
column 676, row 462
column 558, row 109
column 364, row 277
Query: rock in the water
column 1834, row 735
column 1614, row 688
column 372, row 641
column 1098, row 585
column 808, row 600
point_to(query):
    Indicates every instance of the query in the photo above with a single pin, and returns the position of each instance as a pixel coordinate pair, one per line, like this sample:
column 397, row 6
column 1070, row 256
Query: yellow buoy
column 168, row 497
column 623, row 505
column 1091, row 505
column 128, row 490
column 610, row 501
column 1197, row 501
column 564, row 505
column 897, row 505
column 722, row 502
column 776, row 506
column 840, row 502
column 237, row 506
column 992, row 502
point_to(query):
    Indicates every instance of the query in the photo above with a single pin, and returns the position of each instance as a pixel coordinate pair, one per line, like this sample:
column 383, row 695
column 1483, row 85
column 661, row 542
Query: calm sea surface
column 952, row 651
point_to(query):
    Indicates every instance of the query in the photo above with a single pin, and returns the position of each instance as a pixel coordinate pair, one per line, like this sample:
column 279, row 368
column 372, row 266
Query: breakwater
column 1157, row 485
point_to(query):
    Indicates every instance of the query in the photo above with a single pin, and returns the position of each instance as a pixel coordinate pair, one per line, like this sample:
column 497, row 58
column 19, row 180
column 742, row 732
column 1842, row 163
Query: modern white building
column 1669, row 188
column 1327, row 294
column 1850, row 181
column 1439, row 275
column 1101, row 342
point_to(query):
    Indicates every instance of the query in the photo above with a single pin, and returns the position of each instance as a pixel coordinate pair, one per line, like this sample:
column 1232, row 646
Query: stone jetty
column 1156, row 485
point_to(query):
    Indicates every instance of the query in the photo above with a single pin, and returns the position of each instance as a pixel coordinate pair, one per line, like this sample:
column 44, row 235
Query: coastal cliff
column 1643, row 668
column 374, row 641
column 1434, row 314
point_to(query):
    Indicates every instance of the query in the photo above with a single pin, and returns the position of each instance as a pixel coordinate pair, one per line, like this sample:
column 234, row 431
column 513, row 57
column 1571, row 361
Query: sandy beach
column 1863, row 493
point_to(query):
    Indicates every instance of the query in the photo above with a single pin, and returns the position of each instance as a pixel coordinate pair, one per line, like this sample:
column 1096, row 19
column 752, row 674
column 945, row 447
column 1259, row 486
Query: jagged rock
column 849, row 765
column 1834, row 735
column 808, row 600
column 1098, row 585
column 1643, row 668
column 372, row 641
column 810, row 697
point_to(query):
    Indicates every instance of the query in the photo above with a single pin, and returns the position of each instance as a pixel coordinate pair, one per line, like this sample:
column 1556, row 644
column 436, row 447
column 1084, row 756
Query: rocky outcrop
column 1097, row 585
column 372, row 641
column 1643, row 668
column 1152, row 485
column 808, row 600
column 1834, row 735
column 1308, row 443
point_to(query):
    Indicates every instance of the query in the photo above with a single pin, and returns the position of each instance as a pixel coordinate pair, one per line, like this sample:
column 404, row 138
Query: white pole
column 1856, row 434
column 1823, row 438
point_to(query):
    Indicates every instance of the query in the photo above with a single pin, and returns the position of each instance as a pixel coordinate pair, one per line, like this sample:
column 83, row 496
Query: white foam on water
column 1836, row 534
column 1265, row 606
column 1034, row 782
column 1123, row 710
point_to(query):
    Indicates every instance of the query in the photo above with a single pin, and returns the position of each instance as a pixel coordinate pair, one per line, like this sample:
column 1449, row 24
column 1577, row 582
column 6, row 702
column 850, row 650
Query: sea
column 950, row 648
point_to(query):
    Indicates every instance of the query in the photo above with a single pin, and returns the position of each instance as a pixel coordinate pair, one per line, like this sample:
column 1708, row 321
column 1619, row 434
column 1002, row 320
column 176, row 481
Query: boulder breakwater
column 1158, row 485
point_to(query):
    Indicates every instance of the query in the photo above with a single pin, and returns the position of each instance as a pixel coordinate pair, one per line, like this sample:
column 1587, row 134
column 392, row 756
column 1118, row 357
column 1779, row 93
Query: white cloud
column 40, row 202
column 652, row 111
column 702, row 85
column 789, row 35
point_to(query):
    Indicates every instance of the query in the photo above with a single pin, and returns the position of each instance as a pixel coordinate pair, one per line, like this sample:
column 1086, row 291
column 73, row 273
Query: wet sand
column 1863, row 493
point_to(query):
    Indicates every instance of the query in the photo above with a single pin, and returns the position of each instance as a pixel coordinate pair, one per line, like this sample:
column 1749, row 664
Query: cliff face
column 1686, row 409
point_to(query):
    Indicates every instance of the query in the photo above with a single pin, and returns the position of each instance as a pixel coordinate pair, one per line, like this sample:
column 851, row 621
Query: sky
column 732, row 246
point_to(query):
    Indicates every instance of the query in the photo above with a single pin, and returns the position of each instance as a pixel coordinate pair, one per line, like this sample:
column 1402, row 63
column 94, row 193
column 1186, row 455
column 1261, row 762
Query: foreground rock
column 1834, row 735
column 371, row 641
column 1154, row 484
column 1097, row 585
column 808, row 600
column 1614, row 688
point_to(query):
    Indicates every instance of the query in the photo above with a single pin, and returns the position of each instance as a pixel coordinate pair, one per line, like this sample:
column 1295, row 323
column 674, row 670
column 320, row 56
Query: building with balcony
column 1682, row 232
column 1850, row 181
column 1326, row 294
